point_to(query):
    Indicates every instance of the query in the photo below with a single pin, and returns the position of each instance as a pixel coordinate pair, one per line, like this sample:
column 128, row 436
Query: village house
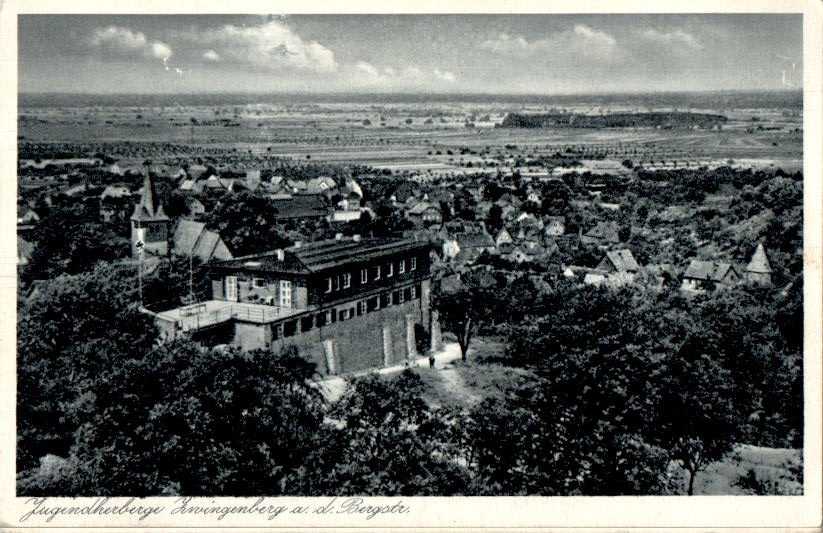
column 603, row 234
column 115, row 191
column 347, row 304
column 708, row 275
column 503, row 237
column 554, row 226
column 192, row 239
column 194, row 206
column 618, row 267
column 24, row 251
column 27, row 221
column 425, row 214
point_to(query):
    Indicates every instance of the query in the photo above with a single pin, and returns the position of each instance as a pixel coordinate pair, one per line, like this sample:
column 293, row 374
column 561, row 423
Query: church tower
column 149, row 227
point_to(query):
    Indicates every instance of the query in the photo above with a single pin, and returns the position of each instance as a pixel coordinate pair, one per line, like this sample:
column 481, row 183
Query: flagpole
column 140, row 270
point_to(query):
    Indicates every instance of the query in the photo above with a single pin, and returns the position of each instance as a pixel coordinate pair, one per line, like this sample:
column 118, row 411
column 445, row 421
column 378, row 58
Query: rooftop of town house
column 321, row 255
column 212, row 312
column 707, row 270
column 623, row 260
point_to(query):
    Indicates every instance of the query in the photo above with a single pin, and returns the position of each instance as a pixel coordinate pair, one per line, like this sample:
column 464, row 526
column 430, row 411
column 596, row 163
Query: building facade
column 347, row 304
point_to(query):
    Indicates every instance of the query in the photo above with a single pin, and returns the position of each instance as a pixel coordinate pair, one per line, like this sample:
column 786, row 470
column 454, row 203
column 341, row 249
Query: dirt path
column 453, row 382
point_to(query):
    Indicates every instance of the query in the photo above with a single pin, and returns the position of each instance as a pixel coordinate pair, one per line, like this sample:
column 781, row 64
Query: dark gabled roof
column 623, row 260
column 321, row 255
column 604, row 231
column 708, row 270
column 474, row 239
column 300, row 206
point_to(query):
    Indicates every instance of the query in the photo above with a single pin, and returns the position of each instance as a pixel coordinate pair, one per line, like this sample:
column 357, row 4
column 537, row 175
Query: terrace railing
column 194, row 317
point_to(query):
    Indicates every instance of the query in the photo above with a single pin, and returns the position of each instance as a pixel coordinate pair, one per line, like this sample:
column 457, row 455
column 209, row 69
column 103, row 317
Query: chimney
column 356, row 237
column 281, row 255
column 338, row 237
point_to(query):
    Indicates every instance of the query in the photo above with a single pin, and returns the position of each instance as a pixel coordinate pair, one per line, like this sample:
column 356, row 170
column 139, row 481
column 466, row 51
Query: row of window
column 259, row 283
column 335, row 283
column 359, row 308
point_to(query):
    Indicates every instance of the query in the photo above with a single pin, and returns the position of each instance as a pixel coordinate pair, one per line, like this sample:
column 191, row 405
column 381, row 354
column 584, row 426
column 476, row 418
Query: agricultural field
column 447, row 137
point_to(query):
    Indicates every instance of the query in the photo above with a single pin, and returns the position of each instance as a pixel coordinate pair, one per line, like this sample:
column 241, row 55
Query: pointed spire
column 145, row 209
column 759, row 262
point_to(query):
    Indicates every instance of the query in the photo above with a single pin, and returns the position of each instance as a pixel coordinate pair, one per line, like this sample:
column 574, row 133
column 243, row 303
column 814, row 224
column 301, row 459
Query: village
column 492, row 262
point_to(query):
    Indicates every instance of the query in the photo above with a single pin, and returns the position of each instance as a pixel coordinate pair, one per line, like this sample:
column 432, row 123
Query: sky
column 525, row 54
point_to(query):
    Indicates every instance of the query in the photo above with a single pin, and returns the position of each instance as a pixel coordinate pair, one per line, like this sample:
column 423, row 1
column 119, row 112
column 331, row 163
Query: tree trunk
column 691, row 482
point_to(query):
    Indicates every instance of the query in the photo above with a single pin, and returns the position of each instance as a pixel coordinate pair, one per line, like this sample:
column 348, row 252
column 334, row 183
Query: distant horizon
column 414, row 93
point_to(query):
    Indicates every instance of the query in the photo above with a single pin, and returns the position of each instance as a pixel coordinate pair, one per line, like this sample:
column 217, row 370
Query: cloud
column 363, row 74
column 444, row 75
column 119, row 41
column 270, row 45
column 676, row 38
column 579, row 42
column 594, row 36
column 211, row 55
column 116, row 38
column 161, row 51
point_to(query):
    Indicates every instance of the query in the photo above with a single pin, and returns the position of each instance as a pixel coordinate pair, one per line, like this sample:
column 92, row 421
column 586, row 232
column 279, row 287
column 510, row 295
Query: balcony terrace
column 211, row 312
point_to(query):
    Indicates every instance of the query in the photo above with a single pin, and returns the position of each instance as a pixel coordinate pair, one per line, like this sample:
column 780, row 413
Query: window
column 402, row 268
column 390, row 273
column 407, row 294
column 321, row 319
column 231, row 288
column 400, row 296
column 277, row 332
column 329, row 316
column 337, row 283
column 346, row 280
column 413, row 263
column 373, row 304
column 258, row 283
column 364, row 276
column 285, row 293
column 306, row 323
column 343, row 315
column 413, row 292
column 361, row 308
column 385, row 299
column 377, row 272
column 328, row 285
column 290, row 328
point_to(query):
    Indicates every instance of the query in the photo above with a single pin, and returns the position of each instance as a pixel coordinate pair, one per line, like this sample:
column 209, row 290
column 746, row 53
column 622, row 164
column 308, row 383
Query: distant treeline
column 613, row 120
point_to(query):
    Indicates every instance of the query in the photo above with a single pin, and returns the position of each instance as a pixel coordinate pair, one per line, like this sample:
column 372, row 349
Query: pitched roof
column 759, row 263
column 708, row 270
column 623, row 260
column 299, row 206
column 24, row 248
column 604, row 231
column 186, row 235
column 474, row 239
column 145, row 210
column 422, row 207
column 192, row 238
column 321, row 255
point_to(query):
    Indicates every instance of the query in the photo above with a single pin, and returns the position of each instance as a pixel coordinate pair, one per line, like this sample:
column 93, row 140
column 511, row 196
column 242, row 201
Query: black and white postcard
column 363, row 266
